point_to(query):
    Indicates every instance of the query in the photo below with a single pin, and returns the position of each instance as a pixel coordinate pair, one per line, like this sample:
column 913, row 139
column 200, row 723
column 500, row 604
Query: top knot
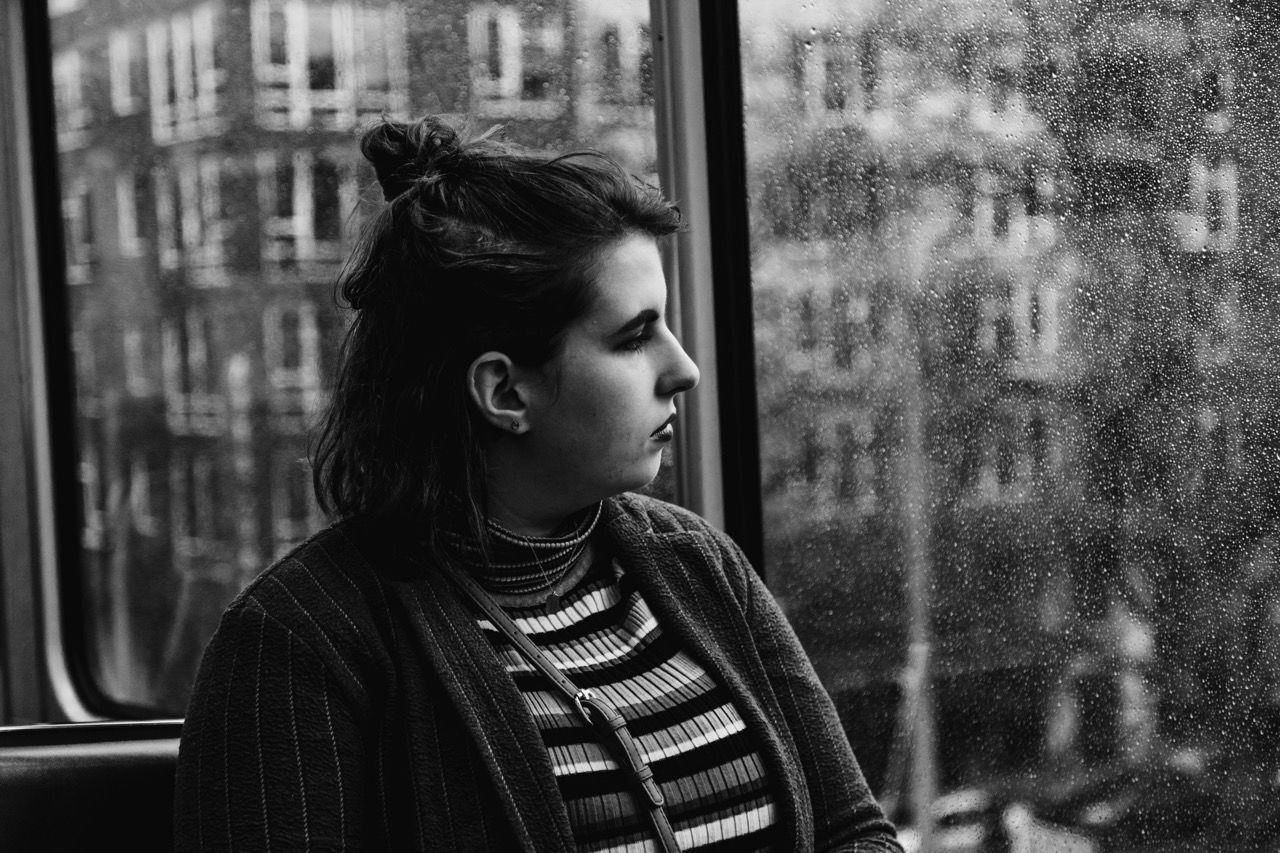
column 404, row 153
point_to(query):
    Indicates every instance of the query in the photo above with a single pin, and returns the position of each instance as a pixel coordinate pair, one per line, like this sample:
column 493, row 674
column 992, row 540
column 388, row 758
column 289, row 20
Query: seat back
column 88, row 786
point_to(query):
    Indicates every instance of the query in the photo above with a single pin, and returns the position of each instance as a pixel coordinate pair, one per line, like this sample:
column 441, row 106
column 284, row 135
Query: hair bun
column 404, row 153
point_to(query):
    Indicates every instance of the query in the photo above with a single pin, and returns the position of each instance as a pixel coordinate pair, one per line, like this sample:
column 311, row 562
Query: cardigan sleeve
column 846, row 816
column 271, row 756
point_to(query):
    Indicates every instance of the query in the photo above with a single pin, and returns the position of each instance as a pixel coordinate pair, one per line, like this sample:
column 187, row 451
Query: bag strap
column 594, row 709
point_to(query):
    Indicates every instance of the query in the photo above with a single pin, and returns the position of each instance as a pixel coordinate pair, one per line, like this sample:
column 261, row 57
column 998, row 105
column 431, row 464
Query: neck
column 525, row 499
column 528, row 518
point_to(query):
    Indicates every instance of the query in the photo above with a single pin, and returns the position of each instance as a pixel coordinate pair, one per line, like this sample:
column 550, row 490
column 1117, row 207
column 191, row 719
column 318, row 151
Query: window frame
column 702, row 162
column 41, row 603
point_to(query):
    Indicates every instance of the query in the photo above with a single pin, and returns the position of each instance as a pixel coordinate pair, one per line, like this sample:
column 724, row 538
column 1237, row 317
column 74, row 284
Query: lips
column 665, row 430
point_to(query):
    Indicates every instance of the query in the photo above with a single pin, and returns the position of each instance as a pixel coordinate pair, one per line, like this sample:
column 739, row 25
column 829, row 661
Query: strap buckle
column 584, row 694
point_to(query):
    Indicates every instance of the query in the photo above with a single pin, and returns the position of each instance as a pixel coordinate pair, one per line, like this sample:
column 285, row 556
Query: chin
column 642, row 478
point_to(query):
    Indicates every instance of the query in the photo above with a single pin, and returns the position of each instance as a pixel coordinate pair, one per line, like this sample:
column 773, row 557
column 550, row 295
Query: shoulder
column 653, row 515
column 638, row 517
column 326, row 565
column 310, row 622
column 324, row 593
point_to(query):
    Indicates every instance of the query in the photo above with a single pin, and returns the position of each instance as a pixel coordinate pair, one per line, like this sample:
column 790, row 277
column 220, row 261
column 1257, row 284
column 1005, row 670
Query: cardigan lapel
column 492, row 709
column 707, row 622
column 712, row 629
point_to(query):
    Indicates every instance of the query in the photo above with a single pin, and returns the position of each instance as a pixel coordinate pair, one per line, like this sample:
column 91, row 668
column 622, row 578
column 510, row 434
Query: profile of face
column 595, row 418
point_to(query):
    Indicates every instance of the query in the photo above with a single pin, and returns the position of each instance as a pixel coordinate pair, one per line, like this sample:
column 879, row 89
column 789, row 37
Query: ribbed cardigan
column 348, row 700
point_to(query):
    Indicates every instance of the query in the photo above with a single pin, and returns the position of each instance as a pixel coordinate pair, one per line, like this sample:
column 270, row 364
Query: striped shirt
column 602, row 635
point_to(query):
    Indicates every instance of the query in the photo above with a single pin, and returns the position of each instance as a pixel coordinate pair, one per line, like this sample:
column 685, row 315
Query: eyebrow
column 641, row 320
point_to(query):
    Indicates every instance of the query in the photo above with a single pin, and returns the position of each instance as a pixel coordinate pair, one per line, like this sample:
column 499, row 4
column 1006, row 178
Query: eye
column 638, row 342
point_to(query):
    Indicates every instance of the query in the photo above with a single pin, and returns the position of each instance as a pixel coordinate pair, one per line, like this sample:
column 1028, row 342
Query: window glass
column 211, row 187
column 1015, row 343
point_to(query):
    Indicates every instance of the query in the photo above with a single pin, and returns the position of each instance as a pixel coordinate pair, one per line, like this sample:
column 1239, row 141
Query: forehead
column 629, row 279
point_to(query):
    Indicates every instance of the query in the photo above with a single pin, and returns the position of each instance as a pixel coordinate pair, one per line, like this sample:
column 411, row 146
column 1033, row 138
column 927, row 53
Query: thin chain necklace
column 528, row 565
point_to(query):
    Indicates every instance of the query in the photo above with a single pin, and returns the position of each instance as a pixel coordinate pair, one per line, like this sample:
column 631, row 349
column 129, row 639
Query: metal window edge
column 31, row 515
column 680, row 117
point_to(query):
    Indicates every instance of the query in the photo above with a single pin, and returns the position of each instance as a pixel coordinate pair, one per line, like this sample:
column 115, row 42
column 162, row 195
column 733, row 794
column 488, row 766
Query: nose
column 682, row 373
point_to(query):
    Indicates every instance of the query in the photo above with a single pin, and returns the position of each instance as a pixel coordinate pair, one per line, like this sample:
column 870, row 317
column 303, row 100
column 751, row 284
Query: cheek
column 605, row 402
column 603, row 399
column 580, row 422
column 603, row 418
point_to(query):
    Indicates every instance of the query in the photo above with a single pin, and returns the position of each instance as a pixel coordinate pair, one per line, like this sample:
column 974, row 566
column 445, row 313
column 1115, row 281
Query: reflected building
column 1004, row 262
column 1181, row 469
column 212, row 187
column 917, row 190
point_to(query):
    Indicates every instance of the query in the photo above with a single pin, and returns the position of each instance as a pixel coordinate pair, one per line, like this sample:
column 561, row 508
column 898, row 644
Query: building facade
column 1016, row 365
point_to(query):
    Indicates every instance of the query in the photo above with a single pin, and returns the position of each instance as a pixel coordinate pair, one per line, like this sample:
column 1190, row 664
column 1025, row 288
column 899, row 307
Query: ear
column 493, row 382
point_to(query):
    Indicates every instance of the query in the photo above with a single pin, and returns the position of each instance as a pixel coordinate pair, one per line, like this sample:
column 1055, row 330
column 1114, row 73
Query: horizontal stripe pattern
column 603, row 635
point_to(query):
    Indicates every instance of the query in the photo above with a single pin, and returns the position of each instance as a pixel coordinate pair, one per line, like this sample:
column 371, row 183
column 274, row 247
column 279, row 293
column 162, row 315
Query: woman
column 497, row 647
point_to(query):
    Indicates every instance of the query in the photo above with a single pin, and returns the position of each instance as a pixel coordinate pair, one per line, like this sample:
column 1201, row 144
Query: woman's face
column 601, row 412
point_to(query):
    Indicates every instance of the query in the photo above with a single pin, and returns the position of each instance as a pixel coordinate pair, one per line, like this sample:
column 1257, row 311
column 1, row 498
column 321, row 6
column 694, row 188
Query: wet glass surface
column 1015, row 327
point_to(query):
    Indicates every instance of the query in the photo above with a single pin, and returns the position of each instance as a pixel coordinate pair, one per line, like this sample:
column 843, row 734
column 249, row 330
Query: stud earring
column 515, row 425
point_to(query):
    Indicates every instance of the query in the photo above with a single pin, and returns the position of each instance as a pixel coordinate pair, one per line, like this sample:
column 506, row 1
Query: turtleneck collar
column 520, row 565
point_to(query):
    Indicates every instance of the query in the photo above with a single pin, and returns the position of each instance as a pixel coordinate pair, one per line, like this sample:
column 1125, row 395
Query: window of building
column 859, row 474
column 1212, row 84
column 851, row 317
column 1007, row 455
column 625, row 56
column 78, row 232
column 995, row 326
column 127, row 56
column 169, row 221
column 198, row 490
column 193, row 394
column 291, row 351
column 1000, row 216
column 325, row 83
column 379, row 61
column 307, row 198
column 142, row 498
column 139, row 364
column 93, row 531
column 190, row 220
column 995, row 87
column 70, row 101
column 187, row 74
column 517, row 59
column 811, row 452
column 327, row 64
column 128, row 187
column 829, row 73
column 202, row 208
column 1211, row 220
column 1035, row 323
column 86, row 357
column 611, row 51
column 494, row 38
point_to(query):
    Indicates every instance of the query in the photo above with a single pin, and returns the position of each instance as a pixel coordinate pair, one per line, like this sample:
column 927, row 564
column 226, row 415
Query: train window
column 211, row 187
column 1015, row 333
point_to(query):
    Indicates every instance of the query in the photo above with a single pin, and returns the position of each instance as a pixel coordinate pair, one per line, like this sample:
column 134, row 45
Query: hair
column 482, row 246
